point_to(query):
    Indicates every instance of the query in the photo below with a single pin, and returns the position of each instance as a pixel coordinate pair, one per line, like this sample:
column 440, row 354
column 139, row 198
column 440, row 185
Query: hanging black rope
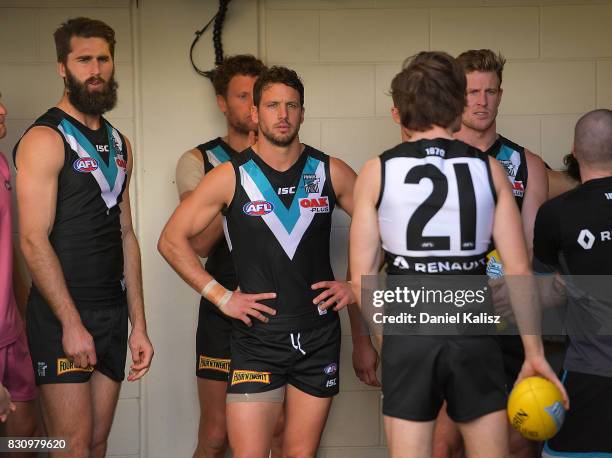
column 219, row 18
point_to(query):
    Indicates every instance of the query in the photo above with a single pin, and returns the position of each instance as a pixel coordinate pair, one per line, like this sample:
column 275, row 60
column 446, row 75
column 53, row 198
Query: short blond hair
column 482, row 60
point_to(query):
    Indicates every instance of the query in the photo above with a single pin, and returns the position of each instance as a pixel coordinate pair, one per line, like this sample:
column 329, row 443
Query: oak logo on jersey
column 315, row 204
column 311, row 183
column 517, row 188
column 258, row 208
column 64, row 366
column 241, row 376
column 214, row 364
column 85, row 165
column 120, row 161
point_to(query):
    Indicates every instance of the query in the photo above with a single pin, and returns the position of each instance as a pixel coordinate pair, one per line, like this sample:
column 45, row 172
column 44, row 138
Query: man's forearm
column 359, row 327
column 49, row 278
column 184, row 260
column 133, row 279
column 20, row 289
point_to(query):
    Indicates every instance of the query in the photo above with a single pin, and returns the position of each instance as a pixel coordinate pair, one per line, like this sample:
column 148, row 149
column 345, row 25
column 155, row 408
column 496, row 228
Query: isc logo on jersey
column 85, row 165
column 258, row 208
column 315, row 204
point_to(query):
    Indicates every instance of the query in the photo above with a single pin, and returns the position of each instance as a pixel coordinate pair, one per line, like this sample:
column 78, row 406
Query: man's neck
column 91, row 121
column 587, row 173
column 237, row 140
column 483, row 140
column 429, row 134
column 280, row 158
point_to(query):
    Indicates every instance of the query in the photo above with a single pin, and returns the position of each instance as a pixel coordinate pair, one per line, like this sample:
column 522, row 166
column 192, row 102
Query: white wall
column 347, row 51
column 178, row 111
column 30, row 85
column 559, row 66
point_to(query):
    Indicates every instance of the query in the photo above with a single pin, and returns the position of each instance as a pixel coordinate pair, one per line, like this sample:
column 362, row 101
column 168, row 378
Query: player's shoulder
column 315, row 153
column 203, row 147
column 510, row 144
column 192, row 153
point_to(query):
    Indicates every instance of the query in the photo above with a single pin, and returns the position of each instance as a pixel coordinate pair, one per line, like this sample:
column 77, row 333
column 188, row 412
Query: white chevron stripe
column 289, row 241
column 109, row 197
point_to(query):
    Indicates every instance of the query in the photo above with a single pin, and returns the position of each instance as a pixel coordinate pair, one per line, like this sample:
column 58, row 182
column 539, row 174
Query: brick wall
column 30, row 84
column 347, row 51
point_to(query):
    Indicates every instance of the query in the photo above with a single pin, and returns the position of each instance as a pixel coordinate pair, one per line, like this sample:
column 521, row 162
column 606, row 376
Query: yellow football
column 535, row 408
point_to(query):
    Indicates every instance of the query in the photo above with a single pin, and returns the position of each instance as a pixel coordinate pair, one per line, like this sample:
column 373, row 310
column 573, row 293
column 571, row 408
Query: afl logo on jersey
column 85, row 165
column 258, row 208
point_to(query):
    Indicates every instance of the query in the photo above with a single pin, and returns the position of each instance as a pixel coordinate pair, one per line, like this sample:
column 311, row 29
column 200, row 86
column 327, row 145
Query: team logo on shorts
column 315, row 204
column 311, row 183
column 85, row 165
column 240, row 376
column 331, row 369
column 258, row 208
column 41, row 368
column 214, row 364
column 64, row 366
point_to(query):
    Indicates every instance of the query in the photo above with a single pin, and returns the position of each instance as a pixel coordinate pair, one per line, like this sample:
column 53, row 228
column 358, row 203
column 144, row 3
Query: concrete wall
column 559, row 66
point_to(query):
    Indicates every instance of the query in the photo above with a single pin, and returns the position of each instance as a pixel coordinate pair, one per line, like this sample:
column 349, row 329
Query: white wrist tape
column 216, row 293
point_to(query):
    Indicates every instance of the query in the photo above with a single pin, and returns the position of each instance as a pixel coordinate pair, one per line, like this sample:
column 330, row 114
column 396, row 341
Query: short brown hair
column 85, row 28
column 430, row 90
column 482, row 60
column 281, row 75
column 240, row 64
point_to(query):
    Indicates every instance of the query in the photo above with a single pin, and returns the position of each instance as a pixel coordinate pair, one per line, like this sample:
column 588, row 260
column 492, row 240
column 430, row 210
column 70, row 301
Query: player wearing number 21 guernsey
column 435, row 203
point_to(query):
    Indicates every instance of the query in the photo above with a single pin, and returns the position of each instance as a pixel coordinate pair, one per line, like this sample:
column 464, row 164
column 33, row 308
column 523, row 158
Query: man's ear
column 395, row 114
column 61, row 69
column 254, row 114
column 222, row 104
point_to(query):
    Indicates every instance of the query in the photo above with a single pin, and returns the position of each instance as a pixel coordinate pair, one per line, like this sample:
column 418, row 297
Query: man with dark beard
column 77, row 239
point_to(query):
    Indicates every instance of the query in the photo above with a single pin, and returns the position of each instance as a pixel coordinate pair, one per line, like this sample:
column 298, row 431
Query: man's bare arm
column 40, row 158
column 535, row 195
column 20, row 288
column 203, row 242
column 510, row 243
column 140, row 346
column 365, row 252
column 131, row 255
column 192, row 216
column 365, row 358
